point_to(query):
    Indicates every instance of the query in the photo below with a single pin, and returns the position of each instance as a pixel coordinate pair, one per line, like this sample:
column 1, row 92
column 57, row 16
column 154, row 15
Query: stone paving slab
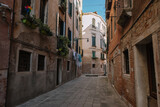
column 80, row 92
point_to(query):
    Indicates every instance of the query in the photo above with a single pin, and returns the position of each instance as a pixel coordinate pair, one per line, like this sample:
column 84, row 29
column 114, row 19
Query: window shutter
column 71, row 9
column 46, row 13
column 82, row 53
column 57, row 23
column 93, row 41
column 33, row 7
column 64, row 28
column 93, row 54
column 71, row 39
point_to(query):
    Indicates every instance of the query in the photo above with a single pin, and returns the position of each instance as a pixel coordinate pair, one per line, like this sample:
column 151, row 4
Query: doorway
column 59, row 72
column 152, row 99
column 145, row 78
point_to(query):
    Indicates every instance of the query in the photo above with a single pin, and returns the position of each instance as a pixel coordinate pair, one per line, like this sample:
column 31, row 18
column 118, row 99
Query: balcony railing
column 126, row 12
column 62, row 5
column 94, row 57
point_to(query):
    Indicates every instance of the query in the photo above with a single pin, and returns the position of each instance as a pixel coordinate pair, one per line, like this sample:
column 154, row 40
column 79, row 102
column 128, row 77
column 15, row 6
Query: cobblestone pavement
column 80, row 92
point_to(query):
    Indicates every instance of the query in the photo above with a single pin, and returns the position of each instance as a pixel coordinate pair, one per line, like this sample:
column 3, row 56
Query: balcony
column 77, row 10
column 62, row 5
column 108, row 5
column 103, row 59
column 126, row 13
column 94, row 57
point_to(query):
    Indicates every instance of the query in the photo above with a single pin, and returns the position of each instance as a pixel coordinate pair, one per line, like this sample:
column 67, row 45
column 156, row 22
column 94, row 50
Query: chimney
column 95, row 12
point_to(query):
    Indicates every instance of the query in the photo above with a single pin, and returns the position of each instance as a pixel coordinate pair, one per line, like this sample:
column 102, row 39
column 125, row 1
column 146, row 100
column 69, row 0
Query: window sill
column 70, row 16
column 93, row 46
column 94, row 57
column 41, row 71
column 126, row 75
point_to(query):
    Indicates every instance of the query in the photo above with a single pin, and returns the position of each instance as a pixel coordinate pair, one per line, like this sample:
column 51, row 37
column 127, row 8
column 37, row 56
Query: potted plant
column 63, row 46
column 45, row 30
column 30, row 21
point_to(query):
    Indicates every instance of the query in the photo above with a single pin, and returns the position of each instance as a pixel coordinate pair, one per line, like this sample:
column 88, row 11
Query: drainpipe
column 73, row 24
column 66, row 19
column 73, row 39
column 11, row 37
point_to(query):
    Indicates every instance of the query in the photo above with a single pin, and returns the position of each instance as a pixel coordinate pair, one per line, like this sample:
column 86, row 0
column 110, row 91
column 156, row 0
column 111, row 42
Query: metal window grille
column 41, row 62
column 24, row 61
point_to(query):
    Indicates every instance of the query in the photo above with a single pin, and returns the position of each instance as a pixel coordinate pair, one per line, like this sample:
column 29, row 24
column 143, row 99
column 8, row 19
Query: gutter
column 151, row 1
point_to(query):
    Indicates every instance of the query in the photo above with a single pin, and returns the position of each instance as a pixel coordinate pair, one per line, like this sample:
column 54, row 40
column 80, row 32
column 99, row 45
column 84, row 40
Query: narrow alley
column 80, row 92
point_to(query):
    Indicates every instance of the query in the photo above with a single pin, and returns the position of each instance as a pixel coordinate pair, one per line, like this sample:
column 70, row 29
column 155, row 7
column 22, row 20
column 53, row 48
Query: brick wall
column 139, row 31
column 5, row 26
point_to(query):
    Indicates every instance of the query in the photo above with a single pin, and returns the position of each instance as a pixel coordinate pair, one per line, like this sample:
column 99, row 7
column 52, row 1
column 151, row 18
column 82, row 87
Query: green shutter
column 101, row 55
column 93, row 41
column 93, row 54
column 71, row 9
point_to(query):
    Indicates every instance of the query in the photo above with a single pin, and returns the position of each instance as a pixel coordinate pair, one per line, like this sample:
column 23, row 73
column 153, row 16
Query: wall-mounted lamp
column 75, row 39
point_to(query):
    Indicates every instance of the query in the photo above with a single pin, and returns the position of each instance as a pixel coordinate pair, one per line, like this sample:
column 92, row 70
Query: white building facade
column 94, row 47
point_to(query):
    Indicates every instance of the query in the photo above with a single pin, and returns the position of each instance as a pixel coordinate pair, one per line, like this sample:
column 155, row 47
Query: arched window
column 93, row 22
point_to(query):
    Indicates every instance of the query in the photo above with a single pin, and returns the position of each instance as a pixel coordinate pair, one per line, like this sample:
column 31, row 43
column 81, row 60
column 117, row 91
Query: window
column 93, row 41
column 41, row 62
column 93, row 65
column 98, row 25
column 127, row 3
column 82, row 53
column 101, row 43
column 70, row 9
column 68, row 65
column 111, row 30
column 69, row 37
column 93, row 54
column 102, row 55
column 24, row 61
column 44, row 11
column 126, row 61
column 77, row 46
column 61, row 27
column 93, row 22
column 79, row 49
column 77, row 23
column 115, row 19
column 25, row 3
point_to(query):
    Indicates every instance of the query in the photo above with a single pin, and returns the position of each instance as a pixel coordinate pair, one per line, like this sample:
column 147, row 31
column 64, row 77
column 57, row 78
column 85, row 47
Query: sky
column 94, row 5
